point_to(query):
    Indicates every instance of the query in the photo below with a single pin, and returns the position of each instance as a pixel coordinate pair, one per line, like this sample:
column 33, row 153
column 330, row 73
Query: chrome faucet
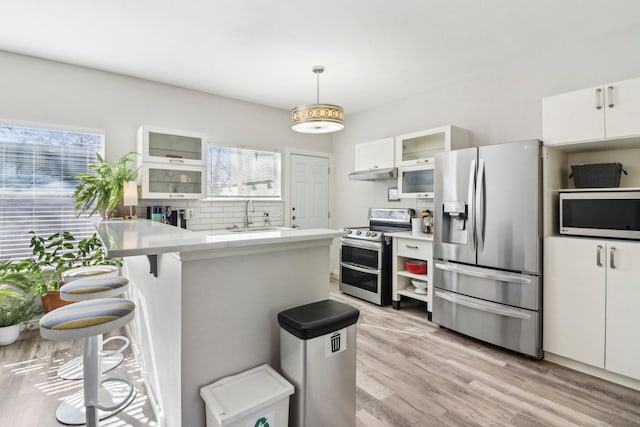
column 248, row 204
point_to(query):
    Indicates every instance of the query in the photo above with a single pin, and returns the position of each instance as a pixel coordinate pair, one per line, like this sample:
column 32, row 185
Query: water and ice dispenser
column 454, row 222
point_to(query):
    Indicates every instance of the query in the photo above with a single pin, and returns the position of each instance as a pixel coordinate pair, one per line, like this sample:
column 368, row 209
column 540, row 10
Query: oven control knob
column 374, row 234
column 349, row 231
column 368, row 233
column 358, row 232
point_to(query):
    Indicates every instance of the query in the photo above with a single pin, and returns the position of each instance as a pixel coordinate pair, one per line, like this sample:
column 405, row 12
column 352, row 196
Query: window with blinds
column 243, row 172
column 37, row 178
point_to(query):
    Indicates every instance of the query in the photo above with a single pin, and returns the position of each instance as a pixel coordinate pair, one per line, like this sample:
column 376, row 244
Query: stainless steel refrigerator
column 487, row 244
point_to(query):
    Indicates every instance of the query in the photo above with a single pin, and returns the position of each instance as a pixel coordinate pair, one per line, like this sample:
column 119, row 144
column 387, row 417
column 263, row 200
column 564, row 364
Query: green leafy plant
column 17, row 302
column 102, row 190
column 55, row 254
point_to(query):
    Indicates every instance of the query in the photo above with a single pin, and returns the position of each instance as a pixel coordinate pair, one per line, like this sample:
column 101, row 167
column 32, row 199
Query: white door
column 574, row 299
column 309, row 179
column 623, row 316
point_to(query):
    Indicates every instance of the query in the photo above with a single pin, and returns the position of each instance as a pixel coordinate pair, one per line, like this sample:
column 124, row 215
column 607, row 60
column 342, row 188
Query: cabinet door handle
column 610, row 89
column 598, row 259
column 411, row 247
column 598, row 104
column 176, row 195
column 612, row 252
column 176, row 161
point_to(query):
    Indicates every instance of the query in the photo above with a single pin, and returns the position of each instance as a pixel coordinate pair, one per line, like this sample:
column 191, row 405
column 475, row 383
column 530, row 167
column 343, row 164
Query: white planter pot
column 9, row 334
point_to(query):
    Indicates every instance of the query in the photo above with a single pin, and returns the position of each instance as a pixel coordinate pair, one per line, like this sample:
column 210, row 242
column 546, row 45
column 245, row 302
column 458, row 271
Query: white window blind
column 243, row 172
column 37, row 170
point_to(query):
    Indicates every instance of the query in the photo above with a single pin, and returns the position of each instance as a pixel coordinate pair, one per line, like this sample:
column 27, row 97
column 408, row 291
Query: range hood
column 386, row 174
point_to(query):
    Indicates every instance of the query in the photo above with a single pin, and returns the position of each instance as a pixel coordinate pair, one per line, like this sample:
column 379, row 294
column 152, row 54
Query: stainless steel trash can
column 318, row 355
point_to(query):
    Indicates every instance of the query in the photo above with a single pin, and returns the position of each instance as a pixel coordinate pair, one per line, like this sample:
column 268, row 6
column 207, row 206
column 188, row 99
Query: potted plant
column 102, row 190
column 17, row 302
column 55, row 254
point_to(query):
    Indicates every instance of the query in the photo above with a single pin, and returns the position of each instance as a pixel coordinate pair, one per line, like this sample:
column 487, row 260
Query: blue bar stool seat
column 89, row 320
column 93, row 286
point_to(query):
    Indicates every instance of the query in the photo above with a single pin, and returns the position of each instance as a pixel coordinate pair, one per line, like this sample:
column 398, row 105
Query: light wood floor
column 30, row 390
column 409, row 373
column 412, row 373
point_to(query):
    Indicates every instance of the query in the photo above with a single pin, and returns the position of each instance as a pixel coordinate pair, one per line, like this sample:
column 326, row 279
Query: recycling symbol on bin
column 262, row 422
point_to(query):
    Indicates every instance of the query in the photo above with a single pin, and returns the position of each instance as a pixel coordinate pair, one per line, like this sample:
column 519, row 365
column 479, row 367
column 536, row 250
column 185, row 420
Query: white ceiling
column 374, row 51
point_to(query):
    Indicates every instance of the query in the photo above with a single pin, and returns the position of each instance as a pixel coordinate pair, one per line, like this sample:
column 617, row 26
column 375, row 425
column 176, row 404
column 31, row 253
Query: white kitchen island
column 211, row 311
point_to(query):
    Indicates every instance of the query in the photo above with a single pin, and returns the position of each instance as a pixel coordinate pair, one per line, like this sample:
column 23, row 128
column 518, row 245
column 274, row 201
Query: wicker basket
column 597, row 175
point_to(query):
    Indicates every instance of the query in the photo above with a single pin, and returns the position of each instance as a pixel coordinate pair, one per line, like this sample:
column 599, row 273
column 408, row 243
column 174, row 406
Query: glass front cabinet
column 172, row 182
column 416, row 181
column 172, row 163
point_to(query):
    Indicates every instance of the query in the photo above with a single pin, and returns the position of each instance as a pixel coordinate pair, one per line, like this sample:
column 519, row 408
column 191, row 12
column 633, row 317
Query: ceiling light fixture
column 317, row 118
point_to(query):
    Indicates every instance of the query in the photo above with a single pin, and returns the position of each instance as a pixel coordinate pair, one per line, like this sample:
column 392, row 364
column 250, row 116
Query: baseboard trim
column 592, row 370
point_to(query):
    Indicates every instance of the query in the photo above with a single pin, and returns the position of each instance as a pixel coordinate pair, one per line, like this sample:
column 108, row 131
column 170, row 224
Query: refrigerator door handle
column 476, row 305
column 513, row 278
column 479, row 205
column 470, row 198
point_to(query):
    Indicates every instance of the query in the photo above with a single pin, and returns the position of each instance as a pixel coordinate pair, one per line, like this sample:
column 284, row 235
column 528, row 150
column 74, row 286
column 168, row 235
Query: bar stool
column 91, row 287
column 88, row 271
column 89, row 320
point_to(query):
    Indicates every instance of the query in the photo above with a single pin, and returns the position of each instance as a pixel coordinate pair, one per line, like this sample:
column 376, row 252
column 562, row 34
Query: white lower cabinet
column 591, row 293
column 622, row 350
column 411, row 248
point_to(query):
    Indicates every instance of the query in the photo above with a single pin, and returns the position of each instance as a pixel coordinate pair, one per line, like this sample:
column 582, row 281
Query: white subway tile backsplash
column 211, row 215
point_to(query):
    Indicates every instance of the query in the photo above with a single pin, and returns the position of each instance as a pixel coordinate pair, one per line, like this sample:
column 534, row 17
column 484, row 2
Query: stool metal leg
column 109, row 359
column 117, row 393
column 92, row 374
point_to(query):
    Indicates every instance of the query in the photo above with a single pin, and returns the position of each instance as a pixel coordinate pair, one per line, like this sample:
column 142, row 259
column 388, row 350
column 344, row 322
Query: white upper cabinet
column 172, row 163
column 375, row 155
column 174, row 147
column 420, row 147
column 603, row 112
column 623, row 109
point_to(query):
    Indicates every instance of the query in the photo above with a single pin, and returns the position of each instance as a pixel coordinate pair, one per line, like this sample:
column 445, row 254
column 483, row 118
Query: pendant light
column 317, row 118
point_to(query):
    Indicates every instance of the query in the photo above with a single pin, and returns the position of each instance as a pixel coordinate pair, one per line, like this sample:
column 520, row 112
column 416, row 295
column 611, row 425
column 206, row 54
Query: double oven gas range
column 365, row 255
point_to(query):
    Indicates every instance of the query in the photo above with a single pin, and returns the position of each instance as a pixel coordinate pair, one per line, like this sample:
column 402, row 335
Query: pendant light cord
column 317, row 88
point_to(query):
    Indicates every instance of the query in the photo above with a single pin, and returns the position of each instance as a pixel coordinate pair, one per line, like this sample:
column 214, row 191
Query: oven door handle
column 374, row 246
column 360, row 269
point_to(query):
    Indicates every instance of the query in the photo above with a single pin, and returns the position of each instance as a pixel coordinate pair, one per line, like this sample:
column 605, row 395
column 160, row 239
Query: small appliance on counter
column 178, row 218
column 167, row 215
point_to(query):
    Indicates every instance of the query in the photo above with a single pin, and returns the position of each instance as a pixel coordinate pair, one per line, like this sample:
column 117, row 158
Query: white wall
column 44, row 92
column 498, row 104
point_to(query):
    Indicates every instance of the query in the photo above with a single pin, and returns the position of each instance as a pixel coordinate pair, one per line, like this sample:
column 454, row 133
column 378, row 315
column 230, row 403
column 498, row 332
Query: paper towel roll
column 416, row 226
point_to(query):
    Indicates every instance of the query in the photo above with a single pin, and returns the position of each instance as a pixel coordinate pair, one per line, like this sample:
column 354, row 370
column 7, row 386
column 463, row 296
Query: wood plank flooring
column 30, row 390
column 409, row 373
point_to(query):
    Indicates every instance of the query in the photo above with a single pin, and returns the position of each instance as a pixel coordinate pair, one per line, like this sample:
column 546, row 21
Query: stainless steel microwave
column 613, row 214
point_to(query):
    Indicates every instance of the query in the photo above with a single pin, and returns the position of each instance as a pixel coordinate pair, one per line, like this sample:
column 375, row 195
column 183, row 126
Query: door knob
column 293, row 218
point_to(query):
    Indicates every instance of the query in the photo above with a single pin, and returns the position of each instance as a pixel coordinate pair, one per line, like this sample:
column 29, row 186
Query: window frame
column 40, row 197
column 279, row 198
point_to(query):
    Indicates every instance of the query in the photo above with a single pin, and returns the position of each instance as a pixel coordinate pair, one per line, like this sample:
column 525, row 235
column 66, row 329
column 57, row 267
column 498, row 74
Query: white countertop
column 144, row 237
column 410, row 235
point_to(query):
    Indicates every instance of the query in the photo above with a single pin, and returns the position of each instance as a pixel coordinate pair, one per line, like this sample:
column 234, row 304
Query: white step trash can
column 318, row 355
column 258, row 397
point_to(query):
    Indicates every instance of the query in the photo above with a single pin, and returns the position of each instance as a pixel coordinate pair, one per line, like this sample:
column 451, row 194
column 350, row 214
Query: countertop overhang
column 145, row 237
